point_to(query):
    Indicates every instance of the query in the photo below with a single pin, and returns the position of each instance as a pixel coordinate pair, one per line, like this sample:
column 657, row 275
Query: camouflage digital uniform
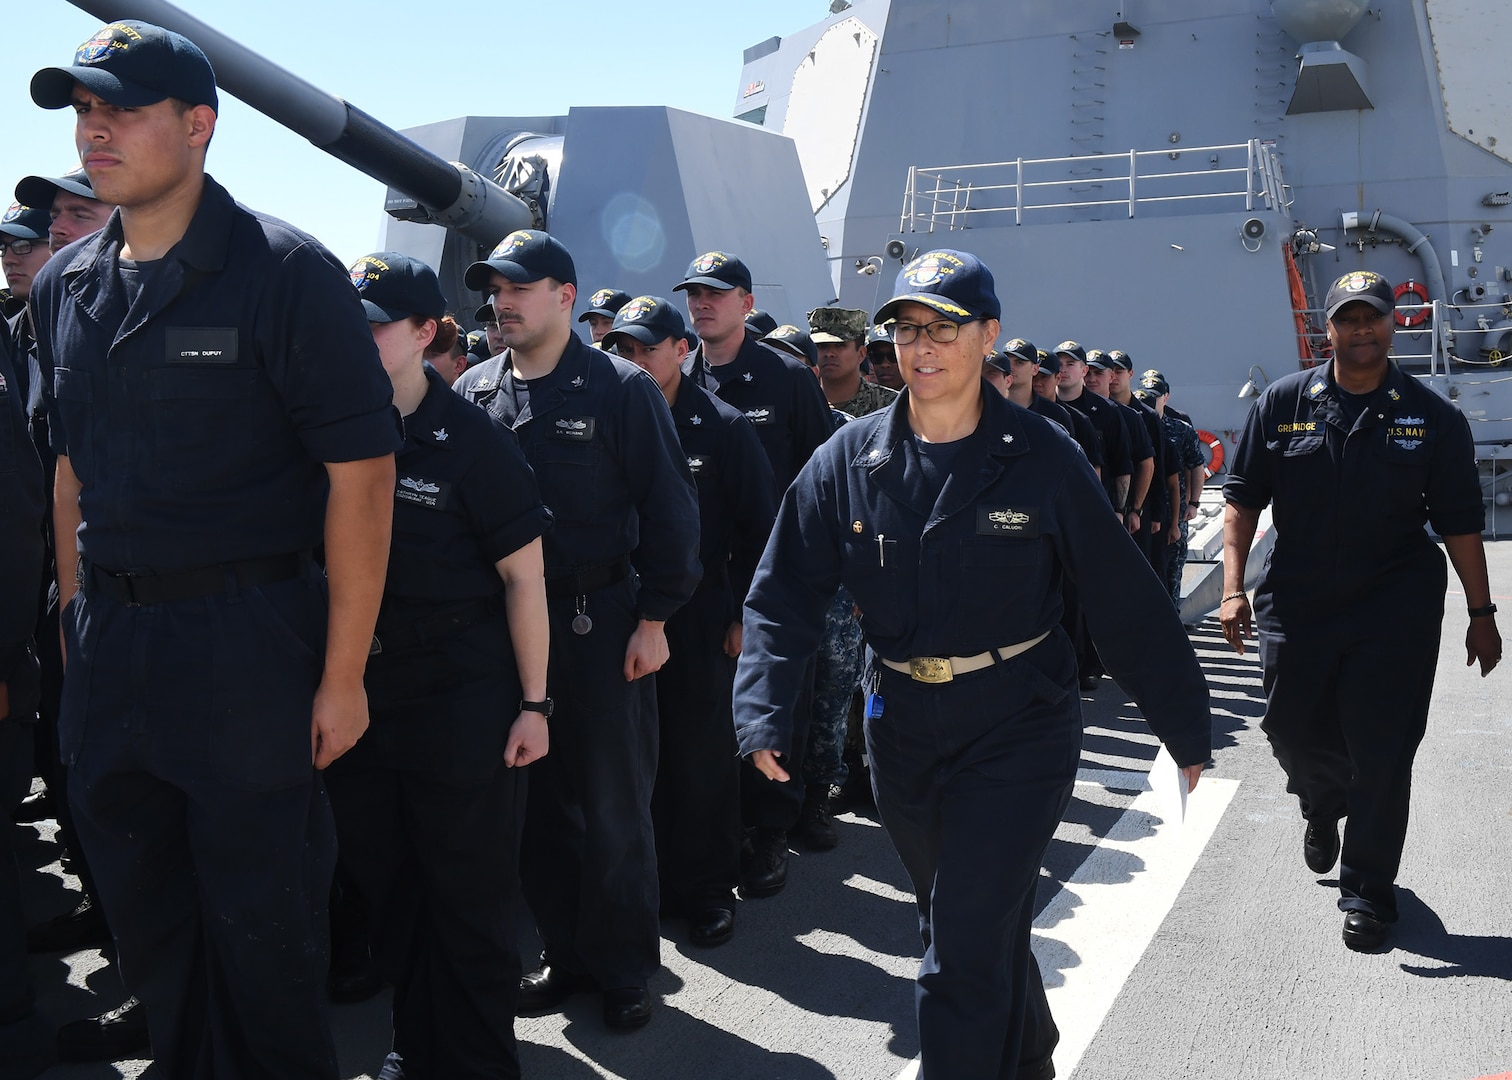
column 838, row 672
column 868, row 399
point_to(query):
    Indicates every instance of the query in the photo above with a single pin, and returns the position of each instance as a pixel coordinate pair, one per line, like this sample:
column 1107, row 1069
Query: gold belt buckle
column 930, row 669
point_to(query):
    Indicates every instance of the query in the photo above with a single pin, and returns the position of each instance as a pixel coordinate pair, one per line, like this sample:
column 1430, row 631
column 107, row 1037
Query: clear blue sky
column 501, row 59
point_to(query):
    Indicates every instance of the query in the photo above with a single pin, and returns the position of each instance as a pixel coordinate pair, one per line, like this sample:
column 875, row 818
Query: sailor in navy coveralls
column 26, row 1040
column 951, row 518
column 1354, row 457
column 598, row 434
column 430, row 804
column 696, row 806
column 782, row 400
column 220, row 411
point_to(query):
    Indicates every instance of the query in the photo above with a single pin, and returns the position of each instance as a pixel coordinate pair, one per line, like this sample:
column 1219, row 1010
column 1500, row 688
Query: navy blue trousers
column 588, row 859
column 1346, row 705
column 971, row 778
column 26, row 1041
column 186, row 730
column 696, row 804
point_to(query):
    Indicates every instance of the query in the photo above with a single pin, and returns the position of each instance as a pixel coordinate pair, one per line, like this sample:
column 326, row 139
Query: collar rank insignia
column 441, row 436
column 578, row 382
column 747, row 376
column 1007, row 438
column 1393, row 395
column 483, row 384
column 696, row 419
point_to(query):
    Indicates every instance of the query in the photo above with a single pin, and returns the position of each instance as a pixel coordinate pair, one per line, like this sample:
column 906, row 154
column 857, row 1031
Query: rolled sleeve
column 1455, row 503
column 1250, row 483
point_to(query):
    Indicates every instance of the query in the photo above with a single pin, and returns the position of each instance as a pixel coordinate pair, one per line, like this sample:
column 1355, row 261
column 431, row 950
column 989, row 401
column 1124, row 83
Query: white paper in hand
column 1169, row 787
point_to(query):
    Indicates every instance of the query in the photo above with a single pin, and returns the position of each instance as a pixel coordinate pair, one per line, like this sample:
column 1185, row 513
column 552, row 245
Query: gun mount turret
column 635, row 193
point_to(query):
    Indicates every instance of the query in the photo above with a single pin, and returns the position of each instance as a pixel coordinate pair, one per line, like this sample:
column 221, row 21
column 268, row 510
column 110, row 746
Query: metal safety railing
column 1470, row 365
column 1247, row 174
column 1431, row 345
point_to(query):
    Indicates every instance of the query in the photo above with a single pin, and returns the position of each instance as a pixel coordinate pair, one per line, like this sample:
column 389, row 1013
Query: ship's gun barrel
column 451, row 194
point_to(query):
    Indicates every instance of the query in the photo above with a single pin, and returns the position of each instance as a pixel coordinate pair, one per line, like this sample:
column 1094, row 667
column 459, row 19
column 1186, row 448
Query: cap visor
column 39, row 190
column 595, row 311
column 1376, row 302
column 643, row 334
column 382, row 315
column 480, row 273
column 792, row 350
column 53, row 88
column 21, row 232
column 827, row 339
column 711, row 282
column 948, row 308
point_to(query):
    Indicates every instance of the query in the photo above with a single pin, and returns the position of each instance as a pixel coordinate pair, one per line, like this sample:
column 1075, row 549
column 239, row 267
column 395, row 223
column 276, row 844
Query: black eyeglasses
column 20, row 247
column 941, row 331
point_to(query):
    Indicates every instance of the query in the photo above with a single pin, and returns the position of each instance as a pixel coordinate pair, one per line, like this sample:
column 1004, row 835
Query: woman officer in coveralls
column 429, row 804
column 951, row 517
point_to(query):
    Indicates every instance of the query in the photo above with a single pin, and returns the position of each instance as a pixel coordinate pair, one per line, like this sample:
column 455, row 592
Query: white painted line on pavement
column 1093, row 932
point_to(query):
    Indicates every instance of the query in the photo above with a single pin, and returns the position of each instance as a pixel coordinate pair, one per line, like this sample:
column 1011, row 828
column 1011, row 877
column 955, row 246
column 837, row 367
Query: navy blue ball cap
column 524, row 256
column 131, row 64
column 1098, row 359
column 25, row 222
column 650, row 320
column 879, row 334
column 1071, row 348
column 718, row 270
column 1147, row 396
column 1117, row 358
column 956, row 284
column 606, row 302
column 1362, row 285
column 39, row 190
column 796, row 342
column 485, row 314
column 761, row 322
column 1019, row 349
column 1154, row 382
column 998, row 360
column 1049, row 363
column 394, row 286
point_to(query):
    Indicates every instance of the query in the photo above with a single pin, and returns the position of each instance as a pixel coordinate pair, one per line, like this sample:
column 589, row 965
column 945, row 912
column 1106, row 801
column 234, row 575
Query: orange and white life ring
column 1215, row 452
column 1419, row 294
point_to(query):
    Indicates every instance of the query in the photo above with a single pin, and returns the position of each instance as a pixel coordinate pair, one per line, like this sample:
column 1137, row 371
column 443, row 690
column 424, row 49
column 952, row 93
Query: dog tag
column 581, row 624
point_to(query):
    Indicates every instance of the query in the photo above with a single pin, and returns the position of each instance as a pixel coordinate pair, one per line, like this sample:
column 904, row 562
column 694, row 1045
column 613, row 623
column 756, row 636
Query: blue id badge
column 874, row 706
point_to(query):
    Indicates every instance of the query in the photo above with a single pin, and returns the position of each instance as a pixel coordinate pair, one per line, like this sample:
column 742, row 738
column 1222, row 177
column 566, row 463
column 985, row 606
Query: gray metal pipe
column 452, row 194
column 1417, row 244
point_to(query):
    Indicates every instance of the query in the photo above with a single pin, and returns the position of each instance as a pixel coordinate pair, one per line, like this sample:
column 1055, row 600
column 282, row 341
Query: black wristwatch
column 545, row 708
column 1482, row 612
